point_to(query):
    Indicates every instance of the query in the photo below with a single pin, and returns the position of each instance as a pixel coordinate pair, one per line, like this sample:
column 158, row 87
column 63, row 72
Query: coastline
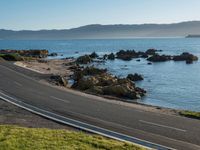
column 108, row 99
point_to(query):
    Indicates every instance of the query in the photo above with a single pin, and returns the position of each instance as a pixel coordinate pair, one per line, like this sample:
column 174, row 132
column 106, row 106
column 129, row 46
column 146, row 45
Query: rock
column 59, row 80
column 149, row 63
column 111, row 56
column 138, row 60
column 105, row 56
column 74, row 67
column 127, row 55
column 122, row 91
column 189, row 61
column 85, row 83
column 93, row 71
column 143, row 55
column 159, row 58
column 98, row 81
column 84, row 59
column 135, row 77
column 88, row 71
column 151, row 51
column 95, row 90
column 53, row 54
column 185, row 57
column 93, row 55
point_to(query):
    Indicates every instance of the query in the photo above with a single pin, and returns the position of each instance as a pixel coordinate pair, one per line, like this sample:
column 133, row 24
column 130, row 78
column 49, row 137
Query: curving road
column 172, row 131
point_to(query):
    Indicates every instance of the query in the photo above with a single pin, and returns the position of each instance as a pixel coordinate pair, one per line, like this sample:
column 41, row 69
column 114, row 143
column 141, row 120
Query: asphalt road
column 172, row 131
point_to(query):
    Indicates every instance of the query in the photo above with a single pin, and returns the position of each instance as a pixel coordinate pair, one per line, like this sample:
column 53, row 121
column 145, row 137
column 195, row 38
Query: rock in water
column 84, row 59
column 93, row 55
column 111, row 56
column 159, row 58
column 135, row 77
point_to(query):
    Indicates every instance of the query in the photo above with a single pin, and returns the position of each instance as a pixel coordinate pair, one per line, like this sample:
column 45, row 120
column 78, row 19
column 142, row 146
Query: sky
column 65, row 14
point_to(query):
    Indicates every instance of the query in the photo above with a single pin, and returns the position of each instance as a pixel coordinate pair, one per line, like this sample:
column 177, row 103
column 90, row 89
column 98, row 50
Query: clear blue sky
column 62, row 14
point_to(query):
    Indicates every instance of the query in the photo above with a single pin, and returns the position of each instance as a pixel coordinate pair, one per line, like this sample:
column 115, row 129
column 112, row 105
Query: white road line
column 164, row 126
column 78, row 126
column 66, row 101
column 17, row 83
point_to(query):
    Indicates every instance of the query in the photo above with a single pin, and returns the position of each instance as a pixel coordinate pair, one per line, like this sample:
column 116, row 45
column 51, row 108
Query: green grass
column 190, row 114
column 11, row 57
column 19, row 138
column 14, row 57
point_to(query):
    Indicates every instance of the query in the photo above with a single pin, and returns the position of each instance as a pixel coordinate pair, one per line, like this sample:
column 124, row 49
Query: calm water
column 169, row 84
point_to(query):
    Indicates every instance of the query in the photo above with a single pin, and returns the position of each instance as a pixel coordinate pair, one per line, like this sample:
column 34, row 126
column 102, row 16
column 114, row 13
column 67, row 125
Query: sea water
column 168, row 84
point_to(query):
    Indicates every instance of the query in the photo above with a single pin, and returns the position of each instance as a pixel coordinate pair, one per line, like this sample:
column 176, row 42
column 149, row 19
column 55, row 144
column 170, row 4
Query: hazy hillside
column 109, row 31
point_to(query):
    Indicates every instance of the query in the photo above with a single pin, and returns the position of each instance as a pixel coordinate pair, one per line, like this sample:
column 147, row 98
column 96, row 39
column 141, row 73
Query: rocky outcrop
column 53, row 54
column 159, row 58
column 94, row 55
column 58, row 80
column 98, row 81
column 152, row 51
column 126, row 55
column 111, row 56
column 130, row 54
column 189, row 58
column 135, row 77
column 185, row 57
column 88, row 71
column 86, row 59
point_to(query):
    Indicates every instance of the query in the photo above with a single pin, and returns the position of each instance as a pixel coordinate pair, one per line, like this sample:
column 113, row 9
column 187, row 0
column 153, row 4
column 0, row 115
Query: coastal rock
column 94, row 55
column 58, row 80
column 135, row 77
column 88, row 71
column 151, row 51
column 189, row 58
column 53, row 54
column 111, row 56
column 143, row 55
column 105, row 56
column 98, row 81
column 159, row 58
column 127, row 55
column 84, row 59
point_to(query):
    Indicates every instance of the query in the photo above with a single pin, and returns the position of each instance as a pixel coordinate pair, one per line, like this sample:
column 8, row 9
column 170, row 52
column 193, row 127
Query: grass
column 20, row 138
column 14, row 57
column 190, row 114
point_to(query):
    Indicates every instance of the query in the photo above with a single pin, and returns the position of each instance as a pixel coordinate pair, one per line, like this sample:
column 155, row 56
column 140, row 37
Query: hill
column 97, row 31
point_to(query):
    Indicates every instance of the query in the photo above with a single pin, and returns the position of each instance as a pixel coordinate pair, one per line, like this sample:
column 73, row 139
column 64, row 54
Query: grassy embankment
column 190, row 114
column 20, row 138
column 14, row 57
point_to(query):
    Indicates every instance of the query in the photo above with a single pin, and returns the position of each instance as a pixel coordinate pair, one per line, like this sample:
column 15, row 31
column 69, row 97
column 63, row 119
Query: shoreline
column 108, row 99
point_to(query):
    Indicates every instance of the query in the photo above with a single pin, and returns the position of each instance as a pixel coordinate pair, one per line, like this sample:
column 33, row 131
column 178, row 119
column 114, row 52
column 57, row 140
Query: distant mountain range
column 193, row 36
column 97, row 31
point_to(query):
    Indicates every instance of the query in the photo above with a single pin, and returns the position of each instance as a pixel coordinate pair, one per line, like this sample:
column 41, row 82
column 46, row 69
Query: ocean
column 168, row 84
